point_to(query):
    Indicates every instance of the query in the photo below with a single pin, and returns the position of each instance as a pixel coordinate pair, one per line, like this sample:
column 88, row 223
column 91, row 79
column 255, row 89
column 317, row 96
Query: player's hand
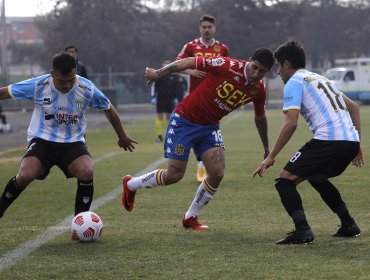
column 151, row 75
column 268, row 161
column 358, row 160
column 197, row 73
column 127, row 143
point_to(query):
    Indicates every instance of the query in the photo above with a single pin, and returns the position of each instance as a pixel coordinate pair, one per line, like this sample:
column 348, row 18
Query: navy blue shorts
column 183, row 135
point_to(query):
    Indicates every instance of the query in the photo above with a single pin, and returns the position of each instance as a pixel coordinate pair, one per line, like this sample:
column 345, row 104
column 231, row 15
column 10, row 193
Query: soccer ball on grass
column 86, row 227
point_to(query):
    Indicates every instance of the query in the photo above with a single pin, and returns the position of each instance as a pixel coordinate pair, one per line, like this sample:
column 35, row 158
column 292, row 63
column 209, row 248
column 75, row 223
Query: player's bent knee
column 23, row 179
column 217, row 174
column 85, row 174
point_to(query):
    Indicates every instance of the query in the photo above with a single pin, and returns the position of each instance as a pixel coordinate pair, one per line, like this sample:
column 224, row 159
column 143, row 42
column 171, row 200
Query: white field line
column 24, row 249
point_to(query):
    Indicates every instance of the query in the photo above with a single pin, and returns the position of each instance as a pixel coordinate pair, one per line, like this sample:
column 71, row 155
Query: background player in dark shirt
column 81, row 69
column 164, row 96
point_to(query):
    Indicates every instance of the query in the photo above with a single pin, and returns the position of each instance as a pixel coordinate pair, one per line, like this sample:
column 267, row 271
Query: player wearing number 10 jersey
column 335, row 123
column 229, row 83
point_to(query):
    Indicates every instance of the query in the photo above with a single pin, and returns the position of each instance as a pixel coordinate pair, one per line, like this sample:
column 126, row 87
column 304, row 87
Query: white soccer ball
column 86, row 227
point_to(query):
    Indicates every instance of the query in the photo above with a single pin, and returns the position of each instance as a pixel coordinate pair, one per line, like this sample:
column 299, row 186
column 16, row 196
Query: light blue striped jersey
column 59, row 117
column 322, row 106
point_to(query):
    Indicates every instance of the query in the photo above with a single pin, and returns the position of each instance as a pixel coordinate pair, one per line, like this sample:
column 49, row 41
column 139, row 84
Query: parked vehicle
column 352, row 77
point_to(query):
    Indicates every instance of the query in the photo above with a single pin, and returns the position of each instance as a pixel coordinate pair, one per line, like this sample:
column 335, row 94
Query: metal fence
column 119, row 87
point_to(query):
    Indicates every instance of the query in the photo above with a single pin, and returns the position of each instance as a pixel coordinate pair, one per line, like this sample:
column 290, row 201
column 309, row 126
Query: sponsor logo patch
column 218, row 61
column 46, row 101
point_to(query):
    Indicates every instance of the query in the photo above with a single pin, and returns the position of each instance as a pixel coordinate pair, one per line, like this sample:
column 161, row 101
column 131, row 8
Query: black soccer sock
column 3, row 119
column 343, row 214
column 11, row 192
column 331, row 196
column 292, row 202
column 84, row 196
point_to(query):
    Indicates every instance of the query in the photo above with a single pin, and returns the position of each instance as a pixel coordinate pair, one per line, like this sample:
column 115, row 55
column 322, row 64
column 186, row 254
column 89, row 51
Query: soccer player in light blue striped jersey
column 334, row 121
column 56, row 133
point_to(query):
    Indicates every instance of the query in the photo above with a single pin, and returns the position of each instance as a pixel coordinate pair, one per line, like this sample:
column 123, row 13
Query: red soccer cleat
column 193, row 223
column 128, row 197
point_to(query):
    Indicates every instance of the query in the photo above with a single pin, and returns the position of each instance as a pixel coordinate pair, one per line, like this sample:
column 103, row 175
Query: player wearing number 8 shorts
column 335, row 123
column 194, row 124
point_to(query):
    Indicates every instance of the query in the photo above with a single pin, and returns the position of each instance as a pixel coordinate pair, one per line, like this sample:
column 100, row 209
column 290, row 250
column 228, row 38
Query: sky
column 27, row 8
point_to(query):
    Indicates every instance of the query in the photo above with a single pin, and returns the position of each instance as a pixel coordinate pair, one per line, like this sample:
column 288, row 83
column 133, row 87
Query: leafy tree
column 127, row 35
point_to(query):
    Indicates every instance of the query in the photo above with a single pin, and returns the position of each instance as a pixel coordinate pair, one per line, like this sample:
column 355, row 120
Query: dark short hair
column 70, row 47
column 207, row 18
column 64, row 63
column 264, row 56
column 292, row 51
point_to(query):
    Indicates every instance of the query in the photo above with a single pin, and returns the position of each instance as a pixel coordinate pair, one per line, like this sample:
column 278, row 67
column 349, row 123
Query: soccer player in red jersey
column 206, row 45
column 194, row 124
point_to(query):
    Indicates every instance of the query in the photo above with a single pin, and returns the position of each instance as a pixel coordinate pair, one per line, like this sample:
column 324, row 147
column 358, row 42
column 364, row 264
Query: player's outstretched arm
column 124, row 141
column 286, row 132
column 152, row 75
column 4, row 93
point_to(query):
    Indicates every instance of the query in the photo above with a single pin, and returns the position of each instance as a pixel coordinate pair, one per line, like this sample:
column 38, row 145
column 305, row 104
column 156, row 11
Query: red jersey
column 196, row 48
column 224, row 88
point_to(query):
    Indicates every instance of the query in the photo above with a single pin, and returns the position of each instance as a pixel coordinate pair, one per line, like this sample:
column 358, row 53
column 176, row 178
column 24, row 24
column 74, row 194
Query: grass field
column 245, row 217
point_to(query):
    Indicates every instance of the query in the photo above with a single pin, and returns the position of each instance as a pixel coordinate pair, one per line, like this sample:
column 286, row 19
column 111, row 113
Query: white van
column 352, row 77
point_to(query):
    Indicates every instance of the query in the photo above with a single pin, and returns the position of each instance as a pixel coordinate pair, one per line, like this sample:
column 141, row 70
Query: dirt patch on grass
column 9, row 160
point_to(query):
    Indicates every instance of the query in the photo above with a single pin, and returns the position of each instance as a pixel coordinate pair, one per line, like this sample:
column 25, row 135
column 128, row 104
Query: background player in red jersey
column 194, row 124
column 206, row 45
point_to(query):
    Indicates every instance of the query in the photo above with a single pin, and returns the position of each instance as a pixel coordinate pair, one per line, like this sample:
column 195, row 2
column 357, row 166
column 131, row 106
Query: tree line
column 128, row 35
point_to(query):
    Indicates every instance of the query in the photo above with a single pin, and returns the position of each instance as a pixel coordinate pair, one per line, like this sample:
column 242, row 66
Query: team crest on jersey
column 236, row 78
column 78, row 103
column 179, row 150
column 253, row 90
column 241, row 65
column 217, row 48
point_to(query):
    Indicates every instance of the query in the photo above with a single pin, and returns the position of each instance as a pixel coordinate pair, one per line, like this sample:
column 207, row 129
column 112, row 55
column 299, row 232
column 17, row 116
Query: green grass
column 245, row 217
